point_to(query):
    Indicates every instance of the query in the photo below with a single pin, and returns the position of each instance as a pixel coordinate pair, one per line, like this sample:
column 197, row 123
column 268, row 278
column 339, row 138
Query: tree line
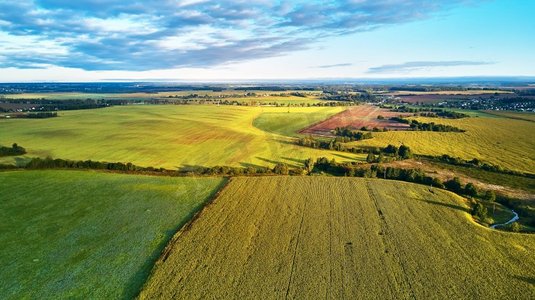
column 430, row 112
column 476, row 163
column 353, row 135
column 420, row 126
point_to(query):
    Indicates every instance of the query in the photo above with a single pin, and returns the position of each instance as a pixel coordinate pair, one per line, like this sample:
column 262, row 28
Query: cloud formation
column 147, row 35
column 334, row 66
column 421, row 65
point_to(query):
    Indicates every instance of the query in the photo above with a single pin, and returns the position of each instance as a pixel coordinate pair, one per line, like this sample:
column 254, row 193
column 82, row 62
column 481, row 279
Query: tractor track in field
column 386, row 241
column 292, row 269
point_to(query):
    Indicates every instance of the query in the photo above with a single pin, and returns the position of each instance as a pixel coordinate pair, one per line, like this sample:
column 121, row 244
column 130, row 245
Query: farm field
column 290, row 123
column 502, row 141
column 263, row 97
column 514, row 115
column 74, row 234
column 168, row 136
column 341, row 238
column 357, row 117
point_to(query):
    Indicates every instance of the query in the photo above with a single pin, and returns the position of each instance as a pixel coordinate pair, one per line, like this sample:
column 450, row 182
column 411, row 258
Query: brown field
column 357, row 117
column 340, row 238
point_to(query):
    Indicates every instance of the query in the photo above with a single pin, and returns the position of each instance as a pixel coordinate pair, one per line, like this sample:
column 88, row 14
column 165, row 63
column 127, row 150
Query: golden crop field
column 168, row 136
column 507, row 142
column 336, row 238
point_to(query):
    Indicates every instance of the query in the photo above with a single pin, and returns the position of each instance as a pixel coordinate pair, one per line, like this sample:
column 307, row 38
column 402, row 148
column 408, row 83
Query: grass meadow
column 71, row 234
column 168, row 136
column 324, row 237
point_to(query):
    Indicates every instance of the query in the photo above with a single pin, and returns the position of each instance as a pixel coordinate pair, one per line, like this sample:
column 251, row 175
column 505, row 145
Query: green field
column 289, row 123
column 336, row 238
column 502, row 141
column 168, row 136
column 75, row 234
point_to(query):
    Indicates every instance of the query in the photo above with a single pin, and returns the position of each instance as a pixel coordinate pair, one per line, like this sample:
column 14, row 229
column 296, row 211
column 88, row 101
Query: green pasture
column 80, row 234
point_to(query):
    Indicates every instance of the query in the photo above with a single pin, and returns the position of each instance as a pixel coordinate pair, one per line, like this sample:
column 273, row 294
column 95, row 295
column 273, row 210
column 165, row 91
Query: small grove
column 14, row 150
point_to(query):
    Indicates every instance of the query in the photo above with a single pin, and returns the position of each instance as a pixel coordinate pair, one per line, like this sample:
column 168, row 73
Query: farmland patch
column 323, row 237
column 357, row 117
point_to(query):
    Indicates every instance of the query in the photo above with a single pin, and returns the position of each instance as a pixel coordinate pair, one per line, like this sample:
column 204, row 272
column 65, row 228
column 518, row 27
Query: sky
column 196, row 40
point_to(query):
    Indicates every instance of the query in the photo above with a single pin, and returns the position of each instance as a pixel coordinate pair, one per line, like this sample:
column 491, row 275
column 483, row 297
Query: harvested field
column 352, row 238
column 357, row 117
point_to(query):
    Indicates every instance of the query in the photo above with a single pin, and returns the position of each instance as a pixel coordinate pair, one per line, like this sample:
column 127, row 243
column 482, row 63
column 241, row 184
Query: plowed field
column 357, row 117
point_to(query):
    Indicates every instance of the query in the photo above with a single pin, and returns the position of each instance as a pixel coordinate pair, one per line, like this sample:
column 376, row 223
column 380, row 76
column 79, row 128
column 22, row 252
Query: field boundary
column 186, row 227
column 301, row 131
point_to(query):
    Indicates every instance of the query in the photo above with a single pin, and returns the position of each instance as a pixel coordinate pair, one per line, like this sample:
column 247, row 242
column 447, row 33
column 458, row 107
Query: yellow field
column 166, row 136
column 336, row 238
column 506, row 142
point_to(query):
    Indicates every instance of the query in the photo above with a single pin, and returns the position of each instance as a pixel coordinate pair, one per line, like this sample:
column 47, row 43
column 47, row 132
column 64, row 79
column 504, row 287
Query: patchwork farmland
column 356, row 118
column 320, row 237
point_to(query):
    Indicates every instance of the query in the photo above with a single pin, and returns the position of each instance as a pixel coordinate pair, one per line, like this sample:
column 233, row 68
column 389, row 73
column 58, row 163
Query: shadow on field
column 247, row 165
column 457, row 207
column 529, row 280
column 277, row 162
column 299, row 161
column 345, row 157
column 285, row 141
column 189, row 168
column 142, row 275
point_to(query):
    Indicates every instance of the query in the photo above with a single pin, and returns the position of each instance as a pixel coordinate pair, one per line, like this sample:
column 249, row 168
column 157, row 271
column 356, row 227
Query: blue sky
column 88, row 40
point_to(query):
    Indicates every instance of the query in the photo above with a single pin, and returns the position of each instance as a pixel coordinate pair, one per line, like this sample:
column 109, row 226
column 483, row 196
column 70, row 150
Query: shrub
column 479, row 211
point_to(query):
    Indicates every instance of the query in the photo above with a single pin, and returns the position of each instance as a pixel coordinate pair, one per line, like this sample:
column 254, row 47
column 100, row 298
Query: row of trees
column 476, row 163
column 37, row 115
column 431, row 112
column 386, row 154
column 353, row 135
column 375, row 154
column 420, row 126
column 50, row 163
column 12, row 151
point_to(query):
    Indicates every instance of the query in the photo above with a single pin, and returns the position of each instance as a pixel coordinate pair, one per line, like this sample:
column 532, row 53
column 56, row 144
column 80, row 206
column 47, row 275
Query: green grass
column 168, row 136
column 76, row 234
column 289, row 123
column 341, row 238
